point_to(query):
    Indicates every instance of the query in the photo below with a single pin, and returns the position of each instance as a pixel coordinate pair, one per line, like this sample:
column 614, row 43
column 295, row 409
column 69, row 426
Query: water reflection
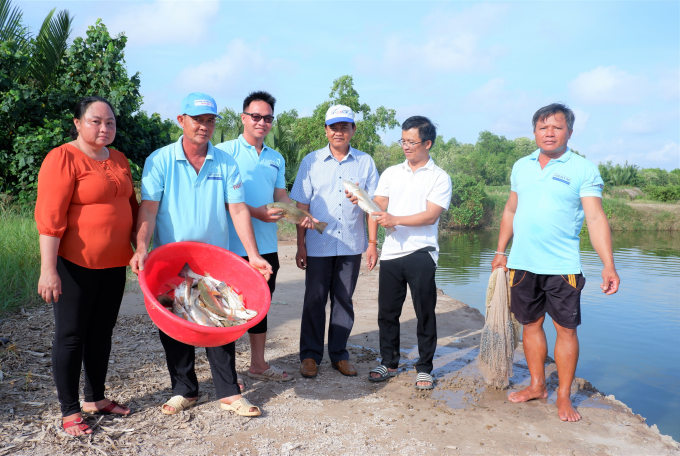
column 628, row 341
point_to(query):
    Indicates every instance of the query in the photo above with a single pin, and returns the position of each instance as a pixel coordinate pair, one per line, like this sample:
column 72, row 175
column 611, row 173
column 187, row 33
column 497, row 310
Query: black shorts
column 273, row 259
column 532, row 295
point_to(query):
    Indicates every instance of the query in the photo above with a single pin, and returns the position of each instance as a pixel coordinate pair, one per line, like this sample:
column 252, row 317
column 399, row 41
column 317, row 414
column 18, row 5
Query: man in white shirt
column 414, row 194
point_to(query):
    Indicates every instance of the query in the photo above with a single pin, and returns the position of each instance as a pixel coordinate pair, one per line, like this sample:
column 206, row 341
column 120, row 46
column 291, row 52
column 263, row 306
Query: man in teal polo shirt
column 186, row 187
column 552, row 191
column 263, row 171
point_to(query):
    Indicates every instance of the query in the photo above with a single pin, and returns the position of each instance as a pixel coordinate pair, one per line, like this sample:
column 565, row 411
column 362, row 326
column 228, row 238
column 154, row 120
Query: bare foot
column 93, row 407
column 80, row 428
column 376, row 375
column 566, row 411
column 529, row 393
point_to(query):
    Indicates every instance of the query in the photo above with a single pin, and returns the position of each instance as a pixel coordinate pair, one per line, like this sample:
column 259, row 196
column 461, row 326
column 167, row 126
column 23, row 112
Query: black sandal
column 384, row 373
column 424, row 377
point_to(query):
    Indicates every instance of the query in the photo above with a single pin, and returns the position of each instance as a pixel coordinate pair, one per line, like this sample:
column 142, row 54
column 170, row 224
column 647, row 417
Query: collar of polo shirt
column 179, row 150
column 429, row 165
column 563, row 158
column 247, row 144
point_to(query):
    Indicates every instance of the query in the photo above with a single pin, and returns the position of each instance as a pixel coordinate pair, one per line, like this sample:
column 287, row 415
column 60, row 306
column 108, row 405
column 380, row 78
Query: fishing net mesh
column 500, row 335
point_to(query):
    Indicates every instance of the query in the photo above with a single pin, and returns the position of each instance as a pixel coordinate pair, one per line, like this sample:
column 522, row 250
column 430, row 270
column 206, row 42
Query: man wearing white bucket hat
column 185, row 188
column 332, row 259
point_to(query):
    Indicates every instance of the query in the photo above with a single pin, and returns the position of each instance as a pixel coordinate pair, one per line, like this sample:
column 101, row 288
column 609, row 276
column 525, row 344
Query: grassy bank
column 19, row 258
column 623, row 214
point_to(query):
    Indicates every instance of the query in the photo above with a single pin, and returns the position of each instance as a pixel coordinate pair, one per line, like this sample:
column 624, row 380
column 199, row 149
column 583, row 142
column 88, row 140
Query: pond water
column 630, row 341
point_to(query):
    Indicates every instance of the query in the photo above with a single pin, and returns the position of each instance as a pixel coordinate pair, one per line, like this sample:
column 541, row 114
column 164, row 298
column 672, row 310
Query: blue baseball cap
column 339, row 113
column 198, row 103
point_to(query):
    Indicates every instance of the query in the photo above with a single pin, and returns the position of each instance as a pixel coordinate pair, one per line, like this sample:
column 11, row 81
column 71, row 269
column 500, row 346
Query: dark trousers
column 84, row 318
column 417, row 270
column 181, row 360
column 337, row 276
column 273, row 259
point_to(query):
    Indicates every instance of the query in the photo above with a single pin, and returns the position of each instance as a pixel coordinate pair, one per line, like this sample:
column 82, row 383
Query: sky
column 469, row 66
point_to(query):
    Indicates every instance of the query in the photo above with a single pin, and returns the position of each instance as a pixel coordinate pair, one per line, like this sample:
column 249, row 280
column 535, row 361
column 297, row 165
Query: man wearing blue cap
column 184, row 187
column 332, row 259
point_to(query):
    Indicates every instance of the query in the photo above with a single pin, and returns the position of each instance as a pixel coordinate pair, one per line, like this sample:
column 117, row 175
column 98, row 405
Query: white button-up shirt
column 409, row 193
column 319, row 184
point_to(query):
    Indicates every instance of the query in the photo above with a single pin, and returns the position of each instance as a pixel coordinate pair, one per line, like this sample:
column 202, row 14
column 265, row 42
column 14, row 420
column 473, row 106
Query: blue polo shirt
column 191, row 205
column 549, row 212
column 261, row 174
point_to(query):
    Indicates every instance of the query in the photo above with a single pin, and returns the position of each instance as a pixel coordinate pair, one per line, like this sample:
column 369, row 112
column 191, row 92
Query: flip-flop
column 80, row 423
column 108, row 410
column 179, row 403
column 273, row 373
column 241, row 407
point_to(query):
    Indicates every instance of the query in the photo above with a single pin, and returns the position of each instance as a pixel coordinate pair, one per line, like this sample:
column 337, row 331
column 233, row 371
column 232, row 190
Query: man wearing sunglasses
column 263, row 172
column 332, row 259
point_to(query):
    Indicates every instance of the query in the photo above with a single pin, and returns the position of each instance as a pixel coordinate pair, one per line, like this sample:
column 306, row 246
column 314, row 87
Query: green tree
column 228, row 127
column 282, row 138
column 309, row 131
column 36, row 113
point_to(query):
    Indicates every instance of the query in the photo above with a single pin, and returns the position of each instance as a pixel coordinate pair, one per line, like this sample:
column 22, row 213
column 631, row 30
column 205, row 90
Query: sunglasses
column 256, row 117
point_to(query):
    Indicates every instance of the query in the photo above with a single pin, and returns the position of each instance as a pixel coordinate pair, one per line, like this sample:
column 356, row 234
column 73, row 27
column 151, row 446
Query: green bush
column 617, row 175
column 467, row 202
column 666, row 194
column 35, row 117
column 657, row 176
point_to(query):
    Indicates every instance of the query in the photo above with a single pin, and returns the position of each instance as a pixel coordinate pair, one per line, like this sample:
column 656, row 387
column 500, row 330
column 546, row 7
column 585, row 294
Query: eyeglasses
column 403, row 143
column 256, row 117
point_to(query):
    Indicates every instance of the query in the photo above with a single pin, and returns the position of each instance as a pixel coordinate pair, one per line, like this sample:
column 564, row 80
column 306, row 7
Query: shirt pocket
column 269, row 169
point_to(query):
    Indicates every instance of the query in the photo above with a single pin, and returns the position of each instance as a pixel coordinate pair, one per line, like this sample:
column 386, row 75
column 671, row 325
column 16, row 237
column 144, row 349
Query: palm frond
column 10, row 22
column 51, row 43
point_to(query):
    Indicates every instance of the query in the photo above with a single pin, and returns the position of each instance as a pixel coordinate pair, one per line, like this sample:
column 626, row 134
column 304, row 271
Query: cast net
column 500, row 335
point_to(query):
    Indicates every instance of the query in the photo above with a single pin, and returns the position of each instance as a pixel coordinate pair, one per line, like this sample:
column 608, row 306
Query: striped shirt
column 319, row 184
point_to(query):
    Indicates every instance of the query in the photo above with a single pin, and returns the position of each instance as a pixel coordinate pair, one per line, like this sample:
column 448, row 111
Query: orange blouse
column 91, row 205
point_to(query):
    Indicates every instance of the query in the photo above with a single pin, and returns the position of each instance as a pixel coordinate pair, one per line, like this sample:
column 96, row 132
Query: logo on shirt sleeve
column 562, row 178
column 215, row 176
column 239, row 185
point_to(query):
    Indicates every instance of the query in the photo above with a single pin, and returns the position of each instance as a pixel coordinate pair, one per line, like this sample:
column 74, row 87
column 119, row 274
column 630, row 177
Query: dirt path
column 329, row 415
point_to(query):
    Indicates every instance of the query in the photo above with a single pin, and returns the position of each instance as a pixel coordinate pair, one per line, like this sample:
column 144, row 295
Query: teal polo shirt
column 192, row 206
column 549, row 212
column 261, row 174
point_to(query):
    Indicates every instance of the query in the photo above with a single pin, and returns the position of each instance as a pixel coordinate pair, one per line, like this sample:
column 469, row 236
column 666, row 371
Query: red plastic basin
column 162, row 267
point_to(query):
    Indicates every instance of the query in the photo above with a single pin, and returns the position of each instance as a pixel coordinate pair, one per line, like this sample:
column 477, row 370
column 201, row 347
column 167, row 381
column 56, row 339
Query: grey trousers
column 337, row 276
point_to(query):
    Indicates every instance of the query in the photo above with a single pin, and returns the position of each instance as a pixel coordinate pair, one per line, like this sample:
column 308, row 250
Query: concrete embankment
column 328, row 415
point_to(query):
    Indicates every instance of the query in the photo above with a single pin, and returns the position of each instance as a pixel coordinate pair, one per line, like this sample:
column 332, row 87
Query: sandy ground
column 328, row 415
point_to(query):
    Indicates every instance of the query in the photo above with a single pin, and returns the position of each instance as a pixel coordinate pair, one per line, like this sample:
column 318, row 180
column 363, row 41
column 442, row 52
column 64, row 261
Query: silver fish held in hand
column 364, row 202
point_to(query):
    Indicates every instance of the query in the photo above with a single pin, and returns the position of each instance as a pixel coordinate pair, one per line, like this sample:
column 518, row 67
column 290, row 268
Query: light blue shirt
column 191, row 205
column 261, row 174
column 319, row 184
column 549, row 212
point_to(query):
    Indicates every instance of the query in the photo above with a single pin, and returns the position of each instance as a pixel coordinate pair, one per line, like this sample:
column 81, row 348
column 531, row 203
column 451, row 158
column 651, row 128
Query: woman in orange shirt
column 86, row 211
